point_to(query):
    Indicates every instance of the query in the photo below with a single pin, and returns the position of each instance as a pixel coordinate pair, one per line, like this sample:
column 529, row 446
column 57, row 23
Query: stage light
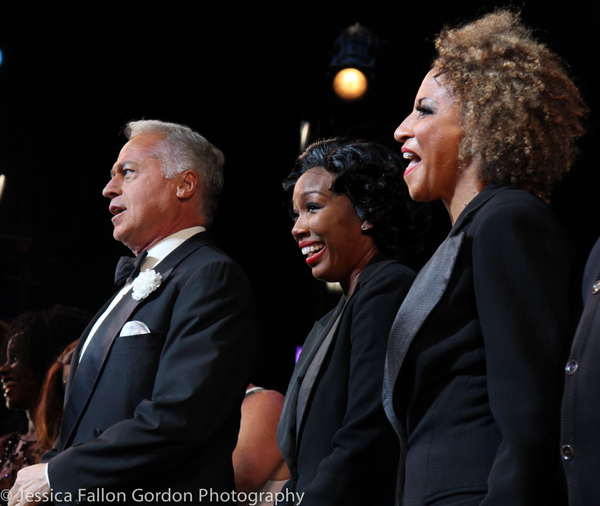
column 305, row 134
column 2, row 183
column 350, row 84
column 0, row 57
column 353, row 63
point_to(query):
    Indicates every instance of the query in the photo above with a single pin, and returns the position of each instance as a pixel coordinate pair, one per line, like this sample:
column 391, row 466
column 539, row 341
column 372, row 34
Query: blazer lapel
column 312, row 371
column 286, row 430
column 426, row 291
column 88, row 370
column 79, row 346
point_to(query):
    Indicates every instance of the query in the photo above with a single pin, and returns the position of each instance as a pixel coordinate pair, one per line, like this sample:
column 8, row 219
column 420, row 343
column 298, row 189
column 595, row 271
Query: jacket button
column 596, row 288
column 571, row 367
column 97, row 432
column 567, row 452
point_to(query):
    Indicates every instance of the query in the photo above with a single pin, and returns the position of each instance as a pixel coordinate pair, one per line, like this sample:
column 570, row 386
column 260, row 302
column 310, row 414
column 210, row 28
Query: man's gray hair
column 184, row 149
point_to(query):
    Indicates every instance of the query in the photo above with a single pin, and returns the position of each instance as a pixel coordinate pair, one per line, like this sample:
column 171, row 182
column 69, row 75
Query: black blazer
column 478, row 394
column 347, row 452
column 161, row 410
column 581, row 404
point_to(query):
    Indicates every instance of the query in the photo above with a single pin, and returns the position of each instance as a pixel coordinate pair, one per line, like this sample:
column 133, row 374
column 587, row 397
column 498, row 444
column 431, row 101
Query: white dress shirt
column 155, row 255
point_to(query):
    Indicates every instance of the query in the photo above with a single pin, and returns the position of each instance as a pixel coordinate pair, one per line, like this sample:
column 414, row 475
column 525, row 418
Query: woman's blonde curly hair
column 521, row 113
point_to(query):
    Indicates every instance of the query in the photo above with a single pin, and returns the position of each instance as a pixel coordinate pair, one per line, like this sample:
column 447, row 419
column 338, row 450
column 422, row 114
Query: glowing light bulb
column 350, row 84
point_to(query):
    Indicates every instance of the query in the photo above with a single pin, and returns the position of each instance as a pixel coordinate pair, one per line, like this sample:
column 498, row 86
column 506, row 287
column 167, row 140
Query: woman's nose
column 299, row 229
column 404, row 131
column 4, row 369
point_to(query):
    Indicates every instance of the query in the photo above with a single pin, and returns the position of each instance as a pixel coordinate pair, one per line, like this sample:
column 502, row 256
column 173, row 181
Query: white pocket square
column 134, row 328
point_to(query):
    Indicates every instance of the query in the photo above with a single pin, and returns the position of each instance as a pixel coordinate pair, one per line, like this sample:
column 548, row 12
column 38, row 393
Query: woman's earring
column 364, row 227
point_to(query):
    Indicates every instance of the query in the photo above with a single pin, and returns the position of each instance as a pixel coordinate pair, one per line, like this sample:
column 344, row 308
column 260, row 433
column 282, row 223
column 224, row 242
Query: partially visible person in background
column 33, row 341
column 50, row 410
column 9, row 420
column 257, row 462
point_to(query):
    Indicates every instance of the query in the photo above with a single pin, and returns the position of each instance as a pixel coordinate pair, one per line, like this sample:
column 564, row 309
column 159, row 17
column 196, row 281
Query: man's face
column 144, row 203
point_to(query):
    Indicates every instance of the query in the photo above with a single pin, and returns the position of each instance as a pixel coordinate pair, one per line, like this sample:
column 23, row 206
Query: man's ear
column 187, row 184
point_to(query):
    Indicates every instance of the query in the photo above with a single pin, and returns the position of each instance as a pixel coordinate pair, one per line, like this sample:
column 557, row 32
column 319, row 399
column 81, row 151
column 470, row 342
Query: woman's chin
column 321, row 275
column 416, row 195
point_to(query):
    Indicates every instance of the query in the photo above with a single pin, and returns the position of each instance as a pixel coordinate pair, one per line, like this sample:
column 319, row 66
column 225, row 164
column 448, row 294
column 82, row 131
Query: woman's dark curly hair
column 521, row 113
column 371, row 176
column 40, row 337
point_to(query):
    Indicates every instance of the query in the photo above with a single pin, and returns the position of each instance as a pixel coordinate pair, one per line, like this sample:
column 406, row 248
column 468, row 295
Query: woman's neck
column 468, row 186
column 349, row 284
column 31, row 434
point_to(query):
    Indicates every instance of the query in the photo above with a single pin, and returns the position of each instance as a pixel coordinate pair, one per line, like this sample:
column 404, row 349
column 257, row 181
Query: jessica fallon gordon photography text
column 208, row 496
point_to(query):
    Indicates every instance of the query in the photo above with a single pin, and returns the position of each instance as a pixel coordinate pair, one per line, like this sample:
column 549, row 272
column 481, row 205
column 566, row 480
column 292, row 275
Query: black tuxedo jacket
column 346, row 452
column 160, row 411
column 581, row 405
column 478, row 392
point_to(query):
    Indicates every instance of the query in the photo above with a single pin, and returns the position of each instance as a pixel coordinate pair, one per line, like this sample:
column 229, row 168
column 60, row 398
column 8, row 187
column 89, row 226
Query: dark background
column 245, row 77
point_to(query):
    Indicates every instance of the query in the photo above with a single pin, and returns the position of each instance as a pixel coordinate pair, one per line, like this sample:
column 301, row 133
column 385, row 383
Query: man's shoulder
column 201, row 259
column 197, row 250
column 209, row 254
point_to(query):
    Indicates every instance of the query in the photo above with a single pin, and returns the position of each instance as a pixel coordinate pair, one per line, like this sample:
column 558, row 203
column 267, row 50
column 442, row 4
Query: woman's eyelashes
column 311, row 207
column 424, row 110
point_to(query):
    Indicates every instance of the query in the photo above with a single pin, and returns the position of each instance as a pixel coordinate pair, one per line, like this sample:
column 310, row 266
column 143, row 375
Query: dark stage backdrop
column 245, row 77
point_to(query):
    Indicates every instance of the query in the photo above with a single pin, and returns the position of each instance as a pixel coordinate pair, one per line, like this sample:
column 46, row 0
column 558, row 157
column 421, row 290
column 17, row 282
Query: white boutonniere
column 145, row 283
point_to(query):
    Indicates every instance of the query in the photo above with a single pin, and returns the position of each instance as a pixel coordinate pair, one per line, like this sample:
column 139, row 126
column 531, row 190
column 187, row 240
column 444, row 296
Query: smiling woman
column 34, row 341
column 329, row 231
column 352, row 216
column 477, row 382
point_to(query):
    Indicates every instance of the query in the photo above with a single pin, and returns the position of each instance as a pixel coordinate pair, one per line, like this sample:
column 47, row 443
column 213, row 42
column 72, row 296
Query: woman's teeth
column 312, row 249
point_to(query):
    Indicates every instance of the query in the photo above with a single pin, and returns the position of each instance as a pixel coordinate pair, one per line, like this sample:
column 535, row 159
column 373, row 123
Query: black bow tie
column 128, row 267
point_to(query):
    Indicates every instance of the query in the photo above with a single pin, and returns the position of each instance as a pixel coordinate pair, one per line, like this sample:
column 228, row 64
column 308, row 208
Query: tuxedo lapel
column 88, row 370
column 79, row 346
column 182, row 251
column 286, row 430
column 425, row 293
column 312, row 370
column 85, row 374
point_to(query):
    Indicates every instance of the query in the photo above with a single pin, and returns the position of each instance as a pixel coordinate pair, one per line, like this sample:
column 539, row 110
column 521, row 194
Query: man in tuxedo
column 153, row 399
column 580, row 446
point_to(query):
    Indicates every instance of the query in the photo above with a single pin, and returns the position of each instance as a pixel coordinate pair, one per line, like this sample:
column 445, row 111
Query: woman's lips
column 415, row 160
column 412, row 166
column 7, row 387
column 312, row 259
